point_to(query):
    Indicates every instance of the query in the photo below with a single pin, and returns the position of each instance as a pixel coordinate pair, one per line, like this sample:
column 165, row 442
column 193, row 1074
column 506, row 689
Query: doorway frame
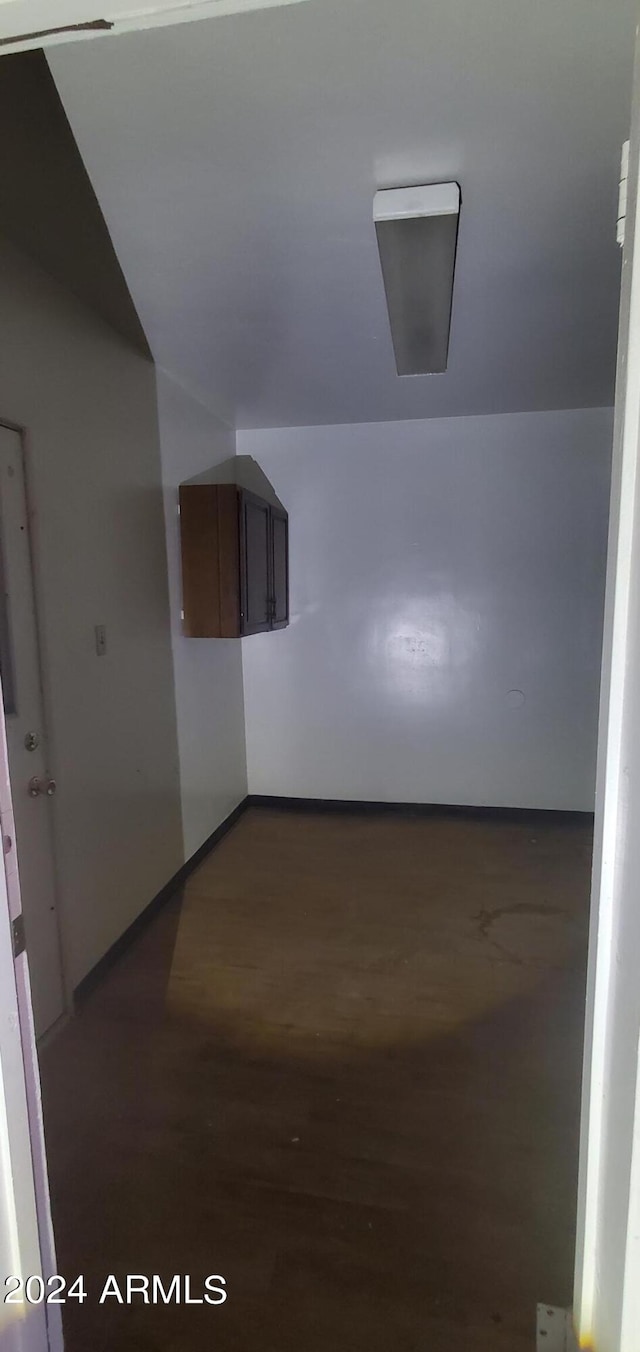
column 610, row 791
column 598, row 1301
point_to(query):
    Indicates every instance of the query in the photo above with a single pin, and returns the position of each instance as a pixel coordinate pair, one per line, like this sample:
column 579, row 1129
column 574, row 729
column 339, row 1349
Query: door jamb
column 611, row 797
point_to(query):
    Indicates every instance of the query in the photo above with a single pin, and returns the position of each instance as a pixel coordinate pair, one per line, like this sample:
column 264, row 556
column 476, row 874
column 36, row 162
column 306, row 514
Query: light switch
column 101, row 640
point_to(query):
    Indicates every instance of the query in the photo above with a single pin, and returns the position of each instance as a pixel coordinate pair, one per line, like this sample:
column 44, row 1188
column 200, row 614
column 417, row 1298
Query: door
column 255, row 604
column 27, row 1249
column 279, row 568
column 607, row 1287
column 32, row 785
column 21, row 1328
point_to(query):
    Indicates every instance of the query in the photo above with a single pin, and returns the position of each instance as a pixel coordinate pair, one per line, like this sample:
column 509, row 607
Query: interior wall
column 208, row 672
column 88, row 403
column 447, row 585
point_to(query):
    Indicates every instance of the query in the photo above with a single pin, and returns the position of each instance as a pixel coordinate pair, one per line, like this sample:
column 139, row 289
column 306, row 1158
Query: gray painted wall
column 88, row 403
column 447, row 583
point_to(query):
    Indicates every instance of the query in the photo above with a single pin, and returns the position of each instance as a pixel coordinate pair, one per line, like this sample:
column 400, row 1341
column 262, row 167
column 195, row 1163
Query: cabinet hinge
column 18, row 935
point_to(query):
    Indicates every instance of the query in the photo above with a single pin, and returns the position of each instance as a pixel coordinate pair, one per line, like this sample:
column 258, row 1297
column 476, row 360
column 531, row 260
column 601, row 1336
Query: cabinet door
column 254, row 564
column 279, row 569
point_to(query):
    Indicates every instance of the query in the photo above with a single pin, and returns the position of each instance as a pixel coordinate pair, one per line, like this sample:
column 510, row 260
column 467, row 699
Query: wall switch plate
column 101, row 640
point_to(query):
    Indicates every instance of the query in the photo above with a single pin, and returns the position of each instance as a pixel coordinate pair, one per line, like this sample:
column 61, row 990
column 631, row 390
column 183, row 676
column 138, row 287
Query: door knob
column 37, row 786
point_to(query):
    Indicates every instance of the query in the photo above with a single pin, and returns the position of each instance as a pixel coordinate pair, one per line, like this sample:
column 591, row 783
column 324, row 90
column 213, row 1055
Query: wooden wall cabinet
column 235, row 562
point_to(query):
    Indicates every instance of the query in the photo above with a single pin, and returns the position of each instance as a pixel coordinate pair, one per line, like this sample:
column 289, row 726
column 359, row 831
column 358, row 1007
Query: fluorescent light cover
column 417, row 230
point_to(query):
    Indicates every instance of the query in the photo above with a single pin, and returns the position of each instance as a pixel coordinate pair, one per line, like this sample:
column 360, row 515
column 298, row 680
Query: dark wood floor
column 343, row 1072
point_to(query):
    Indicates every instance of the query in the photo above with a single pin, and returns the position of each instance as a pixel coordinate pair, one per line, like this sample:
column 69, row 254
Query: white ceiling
column 236, row 161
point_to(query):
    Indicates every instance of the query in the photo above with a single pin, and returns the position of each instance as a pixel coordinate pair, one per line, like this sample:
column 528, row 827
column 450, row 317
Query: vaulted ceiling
column 236, row 159
column 47, row 204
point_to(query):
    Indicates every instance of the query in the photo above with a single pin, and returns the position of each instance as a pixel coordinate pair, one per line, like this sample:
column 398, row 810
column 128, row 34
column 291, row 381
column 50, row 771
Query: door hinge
column 622, row 193
column 18, row 935
column 554, row 1330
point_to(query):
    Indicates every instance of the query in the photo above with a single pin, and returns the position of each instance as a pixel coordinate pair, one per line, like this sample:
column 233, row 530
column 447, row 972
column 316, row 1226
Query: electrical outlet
column 101, row 640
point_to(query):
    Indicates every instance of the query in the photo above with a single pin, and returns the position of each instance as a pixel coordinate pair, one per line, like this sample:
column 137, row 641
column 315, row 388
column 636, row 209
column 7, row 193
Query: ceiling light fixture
column 417, row 230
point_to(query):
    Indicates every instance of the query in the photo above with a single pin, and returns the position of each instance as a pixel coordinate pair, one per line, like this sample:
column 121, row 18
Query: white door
column 32, row 784
column 607, row 1290
column 27, row 1251
column 23, row 1327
